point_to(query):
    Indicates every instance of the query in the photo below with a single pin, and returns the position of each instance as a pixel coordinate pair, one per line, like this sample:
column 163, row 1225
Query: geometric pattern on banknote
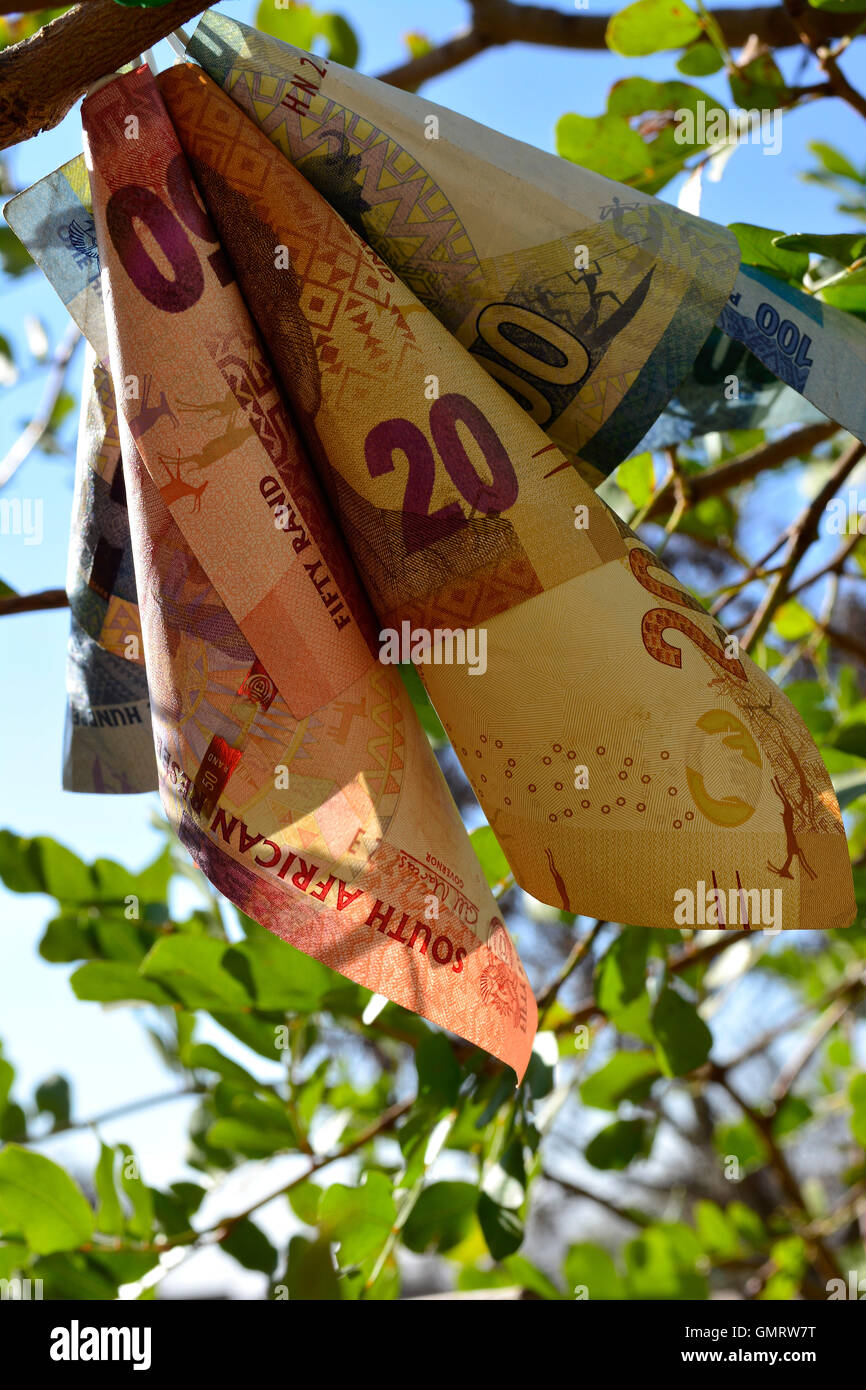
column 747, row 332
column 545, row 335
column 800, row 805
column 379, row 188
column 339, row 331
column 196, row 696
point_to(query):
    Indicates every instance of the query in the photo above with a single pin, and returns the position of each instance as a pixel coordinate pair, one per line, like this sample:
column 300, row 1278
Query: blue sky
column 519, row 90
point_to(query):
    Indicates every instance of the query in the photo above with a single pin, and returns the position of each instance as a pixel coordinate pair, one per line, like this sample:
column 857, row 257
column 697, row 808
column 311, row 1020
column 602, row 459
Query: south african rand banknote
column 728, row 388
column 291, row 763
column 586, row 299
column 620, row 747
column 108, row 745
column 54, row 219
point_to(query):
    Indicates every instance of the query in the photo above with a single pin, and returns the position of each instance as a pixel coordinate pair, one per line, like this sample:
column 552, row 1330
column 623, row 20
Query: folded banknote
column 291, row 762
column 620, row 745
column 586, row 299
column 108, row 745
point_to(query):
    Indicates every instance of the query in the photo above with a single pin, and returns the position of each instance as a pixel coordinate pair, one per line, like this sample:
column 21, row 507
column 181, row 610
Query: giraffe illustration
column 176, row 488
column 148, row 414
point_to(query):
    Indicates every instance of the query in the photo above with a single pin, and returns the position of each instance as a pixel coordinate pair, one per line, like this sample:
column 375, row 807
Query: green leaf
column 661, row 1264
column 192, row 968
column 683, row 1040
column 302, row 25
column 835, row 163
column 40, row 1200
column 740, row 1141
column 140, row 1223
column 759, row 85
column 496, row 867
column 849, row 787
column 847, row 293
column 843, row 247
column 758, row 246
column 439, row 1073
column 621, row 975
column 204, row 1056
column 605, row 144
column 626, row 1076
column 700, row 60
column 15, row 259
column 14, row 1258
column 110, row 982
column 247, row 1243
column 310, row 1271
column 793, row 622
column 41, row 865
column 612, row 144
column 427, row 715
column 109, row 1213
column 589, row 1267
column 857, row 1097
column 442, row 1217
column 304, row 1201
column 793, row 1112
column 249, row 1138
column 649, row 26
column 840, row 6
column 501, row 1226
column 717, row 1233
column 53, row 1097
column 359, row 1218
column 277, row 978
column 618, row 1144
column 636, row 477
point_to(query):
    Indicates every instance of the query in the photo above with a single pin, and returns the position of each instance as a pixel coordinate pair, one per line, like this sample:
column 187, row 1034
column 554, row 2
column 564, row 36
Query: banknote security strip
column 268, row 529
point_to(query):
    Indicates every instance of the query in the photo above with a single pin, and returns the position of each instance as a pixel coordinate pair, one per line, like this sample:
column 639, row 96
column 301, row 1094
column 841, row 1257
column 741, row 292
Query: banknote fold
column 624, row 751
column 586, row 299
column 291, row 762
column 108, row 746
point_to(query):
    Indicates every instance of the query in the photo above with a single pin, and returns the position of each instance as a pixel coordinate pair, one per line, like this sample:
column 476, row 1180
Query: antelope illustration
column 234, row 433
column 176, row 488
column 149, row 414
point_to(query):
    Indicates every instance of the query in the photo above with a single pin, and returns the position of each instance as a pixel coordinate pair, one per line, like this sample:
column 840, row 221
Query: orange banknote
column 291, row 762
column 634, row 764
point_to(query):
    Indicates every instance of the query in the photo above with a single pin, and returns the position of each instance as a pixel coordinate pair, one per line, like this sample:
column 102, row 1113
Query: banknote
column 624, row 751
column 728, row 388
column 586, row 299
column 291, row 762
column 54, row 220
column 818, row 350
column 108, row 744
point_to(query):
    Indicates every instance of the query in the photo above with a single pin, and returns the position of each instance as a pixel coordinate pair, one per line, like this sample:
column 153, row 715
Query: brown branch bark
column 34, row 603
column 41, row 78
column 803, row 534
column 743, row 469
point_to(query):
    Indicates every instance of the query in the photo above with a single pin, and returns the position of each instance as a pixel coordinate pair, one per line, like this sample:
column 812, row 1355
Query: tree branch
column 803, row 533
column 41, row 422
column 34, row 603
column 45, row 75
column 715, row 481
